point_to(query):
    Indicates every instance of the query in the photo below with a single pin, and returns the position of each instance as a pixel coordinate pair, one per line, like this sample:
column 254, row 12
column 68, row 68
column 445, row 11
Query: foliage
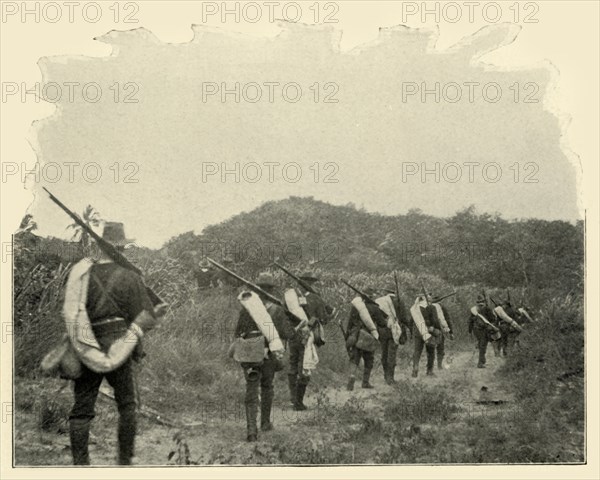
column 187, row 365
column 460, row 249
column 91, row 218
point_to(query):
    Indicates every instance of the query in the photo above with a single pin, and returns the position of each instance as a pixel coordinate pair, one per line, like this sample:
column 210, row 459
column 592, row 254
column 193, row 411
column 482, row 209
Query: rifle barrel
column 444, row 297
column 365, row 297
column 105, row 246
column 302, row 283
column 248, row 283
column 425, row 292
column 255, row 287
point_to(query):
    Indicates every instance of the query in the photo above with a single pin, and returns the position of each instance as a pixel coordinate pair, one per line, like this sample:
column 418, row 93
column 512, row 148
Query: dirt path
column 218, row 435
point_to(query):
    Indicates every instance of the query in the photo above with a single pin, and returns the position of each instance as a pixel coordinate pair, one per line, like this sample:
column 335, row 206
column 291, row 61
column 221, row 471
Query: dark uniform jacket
column 401, row 312
column 430, row 316
column 316, row 308
column 246, row 324
column 114, row 291
column 355, row 323
column 204, row 278
column 446, row 316
column 477, row 323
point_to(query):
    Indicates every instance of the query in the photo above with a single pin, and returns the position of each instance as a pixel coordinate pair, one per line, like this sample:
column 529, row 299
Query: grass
column 187, row 374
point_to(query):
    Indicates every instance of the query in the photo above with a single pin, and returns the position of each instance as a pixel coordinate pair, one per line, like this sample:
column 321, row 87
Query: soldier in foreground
column 362, row 337
column 117, row 304
column 260, row 329
column 481, row 324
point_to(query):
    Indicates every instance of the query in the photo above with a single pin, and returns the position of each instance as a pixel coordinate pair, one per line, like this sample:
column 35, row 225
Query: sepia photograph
column 326, row 233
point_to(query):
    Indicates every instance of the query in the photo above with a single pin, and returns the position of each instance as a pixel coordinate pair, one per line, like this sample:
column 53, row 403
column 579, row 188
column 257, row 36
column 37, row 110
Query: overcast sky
column 360, row 121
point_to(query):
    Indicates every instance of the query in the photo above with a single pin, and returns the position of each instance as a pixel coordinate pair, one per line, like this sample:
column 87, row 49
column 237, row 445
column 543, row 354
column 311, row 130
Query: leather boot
column 266, row 403
column 415, row 370
column 79, row 433
column 440, row 362
column 366, row 377
column 350, row 385
column 390, row 376
column 292, row 382
column 251, row 422
column 126, row 435
column 300, row 391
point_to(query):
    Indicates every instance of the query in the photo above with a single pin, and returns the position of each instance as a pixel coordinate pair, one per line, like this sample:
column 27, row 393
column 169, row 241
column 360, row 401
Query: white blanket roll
column 476, row 313
column 442, row 318
column 417, row 316
column 79, row 327
column 257, row 310
column 386, row 303
column 364, row 314
column 507, row 318
column 311, row 358
column 292, row 301
column 522, row 311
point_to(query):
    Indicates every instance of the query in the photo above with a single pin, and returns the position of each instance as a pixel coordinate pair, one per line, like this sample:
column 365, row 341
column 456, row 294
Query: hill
column 465, row 248
column 191, row 389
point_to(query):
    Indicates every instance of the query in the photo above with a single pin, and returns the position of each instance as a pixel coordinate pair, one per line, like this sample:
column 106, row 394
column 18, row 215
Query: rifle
column 345, row 336
column 400, row 306
column 365, row 297
column 301, row 282
column 424, row 290
column 330, row 312
column 396, row 285
column 340, row 323
column 105, row 246
column 487, row 300
column 443, row 297
column 260, row 291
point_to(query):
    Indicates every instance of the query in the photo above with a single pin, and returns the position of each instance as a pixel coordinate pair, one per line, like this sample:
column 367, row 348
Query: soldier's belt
column 109, row 326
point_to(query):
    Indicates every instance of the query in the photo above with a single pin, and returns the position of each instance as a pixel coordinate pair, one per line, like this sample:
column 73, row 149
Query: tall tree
column 91, row 218
column 28, row 224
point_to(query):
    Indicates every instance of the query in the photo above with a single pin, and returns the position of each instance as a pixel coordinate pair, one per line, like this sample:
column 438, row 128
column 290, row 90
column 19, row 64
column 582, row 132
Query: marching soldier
column 393, row 334
column 509, row 327
column 317, row 312
column 362, row 337
column 404, row 319
column 523, row 315
column 481, row 324
column 446, row 324
column 116, row 303
column 428, row 333
column 508, row 332
column 220, row 279
column 261, row 374
column 204, row 275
